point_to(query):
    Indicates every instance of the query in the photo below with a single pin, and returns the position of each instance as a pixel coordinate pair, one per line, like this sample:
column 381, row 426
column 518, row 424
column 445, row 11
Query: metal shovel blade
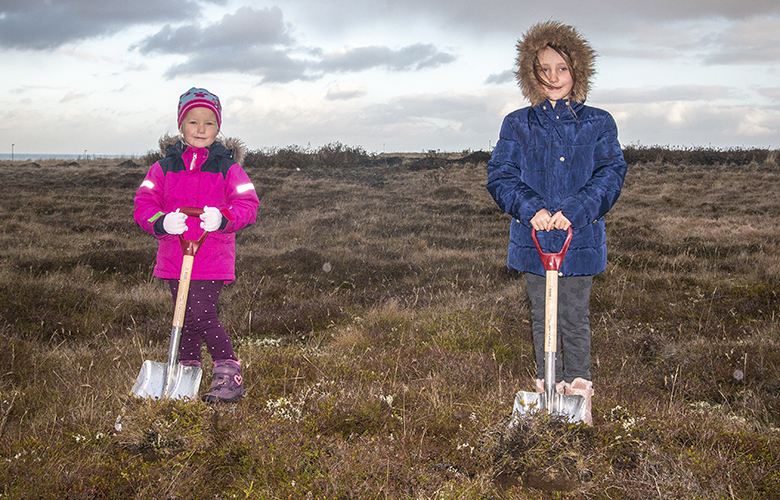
column 570, row 406
column 151, row 382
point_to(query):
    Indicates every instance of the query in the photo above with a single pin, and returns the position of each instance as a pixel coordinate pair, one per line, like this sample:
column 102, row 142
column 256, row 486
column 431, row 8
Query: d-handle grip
column 553, row 261
column 191, row 247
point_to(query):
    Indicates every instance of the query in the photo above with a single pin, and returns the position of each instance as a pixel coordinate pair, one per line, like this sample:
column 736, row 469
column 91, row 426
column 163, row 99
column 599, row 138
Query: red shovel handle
column 191, row 211
column 553, row 261
column 191, row 247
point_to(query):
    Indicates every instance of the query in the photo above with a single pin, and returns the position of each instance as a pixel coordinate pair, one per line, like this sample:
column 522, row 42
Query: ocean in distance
column 53, row 156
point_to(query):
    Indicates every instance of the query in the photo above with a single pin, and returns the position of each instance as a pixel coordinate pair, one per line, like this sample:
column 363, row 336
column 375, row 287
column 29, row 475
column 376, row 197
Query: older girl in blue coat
column 558, row 164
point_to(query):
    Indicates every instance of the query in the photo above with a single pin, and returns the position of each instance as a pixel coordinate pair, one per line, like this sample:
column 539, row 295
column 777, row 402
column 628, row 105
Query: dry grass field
column 384, row 340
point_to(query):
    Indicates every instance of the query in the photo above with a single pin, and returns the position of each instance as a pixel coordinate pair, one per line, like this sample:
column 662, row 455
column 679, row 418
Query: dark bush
column 433, row 160
column 151, row 157
column 291, row 157
column 476, row 158
column 332, row 155
column 697, row 155
column 336, row 154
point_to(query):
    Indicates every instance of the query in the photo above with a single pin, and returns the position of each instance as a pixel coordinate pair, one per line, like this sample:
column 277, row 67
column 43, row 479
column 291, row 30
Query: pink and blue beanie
column 199, row 98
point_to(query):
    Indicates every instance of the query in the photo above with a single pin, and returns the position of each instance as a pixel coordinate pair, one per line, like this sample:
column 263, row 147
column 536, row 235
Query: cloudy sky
column 387, row 75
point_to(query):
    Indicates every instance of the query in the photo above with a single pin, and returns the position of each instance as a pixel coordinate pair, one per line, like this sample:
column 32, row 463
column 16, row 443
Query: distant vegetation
column 700, row 156
column 383, row 338
column 338, row 155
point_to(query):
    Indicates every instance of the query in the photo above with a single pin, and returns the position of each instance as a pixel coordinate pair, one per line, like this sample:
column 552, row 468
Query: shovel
column 567, row 405
column 171, row 380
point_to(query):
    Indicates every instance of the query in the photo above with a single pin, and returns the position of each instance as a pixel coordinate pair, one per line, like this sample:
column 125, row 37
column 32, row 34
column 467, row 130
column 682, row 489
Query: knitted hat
column 199, row 98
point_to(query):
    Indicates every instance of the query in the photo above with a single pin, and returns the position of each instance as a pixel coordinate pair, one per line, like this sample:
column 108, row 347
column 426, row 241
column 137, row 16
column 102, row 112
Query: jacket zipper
column 192, row 163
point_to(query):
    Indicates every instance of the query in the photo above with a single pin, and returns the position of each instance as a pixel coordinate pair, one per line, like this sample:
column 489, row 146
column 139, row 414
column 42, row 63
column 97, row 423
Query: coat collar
column 564, row 108
column 231, row 147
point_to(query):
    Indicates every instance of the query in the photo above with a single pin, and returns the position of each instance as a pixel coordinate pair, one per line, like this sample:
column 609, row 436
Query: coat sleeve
column 148, row 203
column 241, row 210
column 600, row 193
column 504, row 182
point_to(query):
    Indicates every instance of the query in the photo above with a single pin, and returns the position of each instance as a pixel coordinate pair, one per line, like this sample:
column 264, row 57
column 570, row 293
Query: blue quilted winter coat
column 565, row 158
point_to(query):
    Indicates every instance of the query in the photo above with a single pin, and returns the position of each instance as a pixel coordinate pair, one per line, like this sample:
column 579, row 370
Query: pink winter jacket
column 197, row 177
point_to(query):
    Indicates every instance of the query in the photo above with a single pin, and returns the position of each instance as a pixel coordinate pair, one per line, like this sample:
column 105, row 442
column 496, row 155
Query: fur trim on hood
column 564, row 38
column 231, row 143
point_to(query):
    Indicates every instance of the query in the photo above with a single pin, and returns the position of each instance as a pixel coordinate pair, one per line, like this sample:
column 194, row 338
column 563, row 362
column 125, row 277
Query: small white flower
column 387, row 399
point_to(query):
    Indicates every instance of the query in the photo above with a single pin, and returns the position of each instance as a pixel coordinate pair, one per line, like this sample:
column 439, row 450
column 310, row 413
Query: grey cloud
column 752, row 41
column 272, row 65
column 711, row 40
column 500, row 78
column 771, row 93
column 727, row 126
column 413, row 57
column 660, row 94
column 717, row 32
column 449, row 121
column 463, row 110
column 259, row 42
column 250, row 41
column 73, row 96
column 517, row 16
column 44, row 25
column 246, row 28
column 753, row 55
column 344, row 93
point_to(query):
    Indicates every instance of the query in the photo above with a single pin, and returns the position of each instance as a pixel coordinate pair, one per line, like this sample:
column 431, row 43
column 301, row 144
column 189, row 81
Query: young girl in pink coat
column 200, row 171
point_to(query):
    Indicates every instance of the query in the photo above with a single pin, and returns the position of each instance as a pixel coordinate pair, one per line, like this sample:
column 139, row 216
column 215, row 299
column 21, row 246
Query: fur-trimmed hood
column 564, row 38
column 230, row 143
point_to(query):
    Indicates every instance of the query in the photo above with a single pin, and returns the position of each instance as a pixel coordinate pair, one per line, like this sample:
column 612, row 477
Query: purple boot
column 227, row 385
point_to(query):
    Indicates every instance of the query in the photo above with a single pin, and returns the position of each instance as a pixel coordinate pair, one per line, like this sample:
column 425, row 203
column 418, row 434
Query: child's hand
column 559, row 221
column 544, row 221
column 175, row 222
column 541, row 221
column 211, row 219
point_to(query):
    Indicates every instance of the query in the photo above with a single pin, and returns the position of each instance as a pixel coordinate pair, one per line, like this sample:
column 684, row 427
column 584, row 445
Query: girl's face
column 556, row 73
column 199, row 127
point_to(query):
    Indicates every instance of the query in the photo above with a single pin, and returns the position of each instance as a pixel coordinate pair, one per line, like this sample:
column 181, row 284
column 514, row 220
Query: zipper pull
column 192, row 163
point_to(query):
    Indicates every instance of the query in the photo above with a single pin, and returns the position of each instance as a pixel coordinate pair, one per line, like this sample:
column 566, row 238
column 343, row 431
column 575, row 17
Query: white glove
column 175, row 222
column 212, row 219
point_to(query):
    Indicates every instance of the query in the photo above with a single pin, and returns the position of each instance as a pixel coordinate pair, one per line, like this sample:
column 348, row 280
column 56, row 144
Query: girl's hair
column 566, row 58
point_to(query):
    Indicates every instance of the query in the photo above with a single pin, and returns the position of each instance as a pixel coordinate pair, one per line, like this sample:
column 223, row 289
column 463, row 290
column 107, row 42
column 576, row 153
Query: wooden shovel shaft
column 550, row 334
column 184, row 288
column 180, row 309
column 551, row 312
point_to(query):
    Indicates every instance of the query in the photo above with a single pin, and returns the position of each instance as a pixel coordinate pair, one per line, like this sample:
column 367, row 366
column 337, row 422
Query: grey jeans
column 573, row 356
